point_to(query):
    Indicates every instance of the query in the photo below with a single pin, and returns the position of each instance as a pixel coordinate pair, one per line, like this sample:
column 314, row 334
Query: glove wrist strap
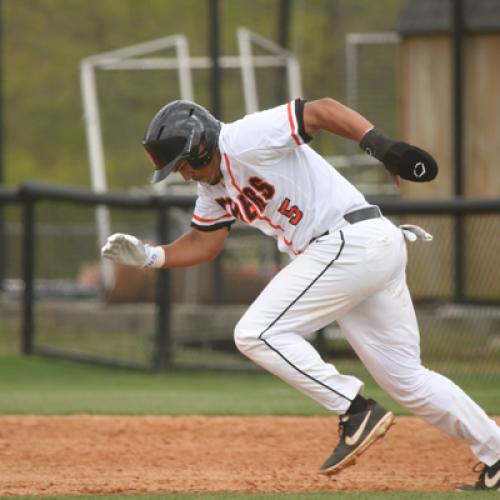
column 155, row 256
column 376, row 143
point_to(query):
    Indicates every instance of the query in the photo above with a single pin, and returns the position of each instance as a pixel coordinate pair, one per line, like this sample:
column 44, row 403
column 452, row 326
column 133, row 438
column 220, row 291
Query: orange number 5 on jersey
column 293, row 213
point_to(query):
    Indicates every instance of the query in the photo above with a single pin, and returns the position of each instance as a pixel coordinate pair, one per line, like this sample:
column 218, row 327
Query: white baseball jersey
column 275, row 182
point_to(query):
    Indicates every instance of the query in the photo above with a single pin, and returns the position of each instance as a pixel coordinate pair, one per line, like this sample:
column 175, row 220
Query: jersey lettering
column 254, row 198
column 229, row 205
column 249, row 209
column 293, row 214
column 264, row 188
column 222, row 202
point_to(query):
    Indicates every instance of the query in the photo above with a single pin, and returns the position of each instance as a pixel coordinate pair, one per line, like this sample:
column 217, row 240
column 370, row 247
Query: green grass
column 48, row 386
column 51, row 386
column 271, row 496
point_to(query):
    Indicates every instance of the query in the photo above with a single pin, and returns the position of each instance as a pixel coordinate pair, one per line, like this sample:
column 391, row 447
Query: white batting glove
column 413, row 233
column 127, row 250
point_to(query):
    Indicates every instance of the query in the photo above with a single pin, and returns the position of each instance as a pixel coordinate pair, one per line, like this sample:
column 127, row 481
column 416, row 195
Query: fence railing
column 28, row 196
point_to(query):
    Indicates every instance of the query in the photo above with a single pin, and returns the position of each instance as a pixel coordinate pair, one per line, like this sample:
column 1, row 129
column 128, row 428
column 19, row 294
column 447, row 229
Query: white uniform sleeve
column 266, row 136
column 210, row 214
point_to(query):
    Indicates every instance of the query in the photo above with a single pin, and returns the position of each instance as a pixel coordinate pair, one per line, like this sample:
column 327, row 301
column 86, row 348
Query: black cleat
column 489, row 478
column 357, row 432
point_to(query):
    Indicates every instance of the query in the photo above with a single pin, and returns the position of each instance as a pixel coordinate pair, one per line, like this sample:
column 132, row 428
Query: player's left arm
column 399, row 158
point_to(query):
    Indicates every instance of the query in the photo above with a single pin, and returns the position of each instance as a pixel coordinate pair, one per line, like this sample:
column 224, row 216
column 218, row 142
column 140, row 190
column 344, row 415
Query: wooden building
column 426, row 93
column 426, row 119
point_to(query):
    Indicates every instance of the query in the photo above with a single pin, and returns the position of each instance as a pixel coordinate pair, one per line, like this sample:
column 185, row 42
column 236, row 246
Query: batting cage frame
column 132, row 58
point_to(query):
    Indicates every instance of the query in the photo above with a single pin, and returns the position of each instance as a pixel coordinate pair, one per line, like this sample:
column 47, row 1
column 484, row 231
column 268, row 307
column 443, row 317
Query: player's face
column 210, row 174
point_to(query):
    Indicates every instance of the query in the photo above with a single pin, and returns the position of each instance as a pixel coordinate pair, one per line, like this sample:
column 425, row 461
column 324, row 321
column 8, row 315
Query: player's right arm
column 193, row 247
column 210, row 226
column 335, row 117
column 399, row 158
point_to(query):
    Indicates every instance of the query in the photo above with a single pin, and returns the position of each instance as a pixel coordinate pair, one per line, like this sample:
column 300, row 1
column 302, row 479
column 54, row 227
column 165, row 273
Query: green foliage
column 45, row 40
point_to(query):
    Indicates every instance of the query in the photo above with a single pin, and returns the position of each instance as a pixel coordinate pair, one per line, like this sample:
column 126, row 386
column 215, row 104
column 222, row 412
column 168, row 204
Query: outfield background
column 407, row 86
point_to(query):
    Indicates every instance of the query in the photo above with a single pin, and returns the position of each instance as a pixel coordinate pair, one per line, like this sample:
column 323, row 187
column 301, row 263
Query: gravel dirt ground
column 90, row 454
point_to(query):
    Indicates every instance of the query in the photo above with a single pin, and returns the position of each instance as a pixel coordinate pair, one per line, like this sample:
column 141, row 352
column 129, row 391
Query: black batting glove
column 400, row 158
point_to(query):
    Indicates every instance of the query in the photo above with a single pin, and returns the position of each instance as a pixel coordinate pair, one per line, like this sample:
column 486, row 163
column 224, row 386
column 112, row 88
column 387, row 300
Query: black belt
column 365, row 213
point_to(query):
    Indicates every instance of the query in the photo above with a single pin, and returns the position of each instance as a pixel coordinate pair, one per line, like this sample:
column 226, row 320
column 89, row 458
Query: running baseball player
column 347, row 263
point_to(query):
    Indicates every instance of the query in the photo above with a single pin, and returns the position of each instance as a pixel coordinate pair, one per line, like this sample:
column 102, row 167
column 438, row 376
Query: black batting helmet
column 180, row 130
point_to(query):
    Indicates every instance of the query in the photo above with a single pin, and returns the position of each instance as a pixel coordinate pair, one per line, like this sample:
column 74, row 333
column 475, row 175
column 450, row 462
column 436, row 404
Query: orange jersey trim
column 201, row 219
column 292, row 125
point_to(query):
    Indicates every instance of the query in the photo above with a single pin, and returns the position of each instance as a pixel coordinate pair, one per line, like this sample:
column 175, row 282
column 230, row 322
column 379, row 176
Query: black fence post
column 216, row 109
column 458, row 142
column 3, row 234
column 28, row 333
column 162, row 354
column 3, row 246
column 283, row 39
column 214, row 44
column 321, row 344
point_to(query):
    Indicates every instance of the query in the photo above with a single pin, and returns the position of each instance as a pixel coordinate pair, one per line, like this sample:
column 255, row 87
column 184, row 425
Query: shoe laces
column 344, row 420
column 343, row 423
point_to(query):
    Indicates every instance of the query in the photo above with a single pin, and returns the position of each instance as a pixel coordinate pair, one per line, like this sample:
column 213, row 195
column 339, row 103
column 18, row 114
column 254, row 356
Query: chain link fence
column 141, row 323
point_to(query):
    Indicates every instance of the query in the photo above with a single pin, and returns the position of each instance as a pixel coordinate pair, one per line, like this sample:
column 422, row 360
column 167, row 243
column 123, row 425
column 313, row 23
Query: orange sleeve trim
column 201, row 219
column 292, row 125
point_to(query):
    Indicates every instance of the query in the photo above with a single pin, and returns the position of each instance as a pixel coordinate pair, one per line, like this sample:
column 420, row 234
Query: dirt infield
column 85, row 454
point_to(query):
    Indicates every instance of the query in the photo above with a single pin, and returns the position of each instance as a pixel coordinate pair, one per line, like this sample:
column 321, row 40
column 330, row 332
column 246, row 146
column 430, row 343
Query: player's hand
column 410, row 163
column 400, row 158
column 125, row 249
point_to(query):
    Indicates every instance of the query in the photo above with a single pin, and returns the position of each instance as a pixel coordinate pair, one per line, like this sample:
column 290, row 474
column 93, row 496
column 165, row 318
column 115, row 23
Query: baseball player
column 347, row 262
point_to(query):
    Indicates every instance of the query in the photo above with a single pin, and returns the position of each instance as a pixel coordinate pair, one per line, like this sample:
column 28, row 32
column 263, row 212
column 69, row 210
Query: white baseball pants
column 356, row 275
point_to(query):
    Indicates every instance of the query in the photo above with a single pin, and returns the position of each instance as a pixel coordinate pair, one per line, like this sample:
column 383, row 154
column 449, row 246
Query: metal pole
column 247, row 71
column 184, row 68
column 285, row 12
column 351, row 92
column 96, row 159
column 457, row 7
column 214, row 44
column 3, row 236
column 284, row 15
column 27, row 334
column 162, row 353
column 321, row 344
column 458, row 93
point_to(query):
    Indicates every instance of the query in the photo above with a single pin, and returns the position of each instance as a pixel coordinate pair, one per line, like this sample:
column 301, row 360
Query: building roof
column 435, row 16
